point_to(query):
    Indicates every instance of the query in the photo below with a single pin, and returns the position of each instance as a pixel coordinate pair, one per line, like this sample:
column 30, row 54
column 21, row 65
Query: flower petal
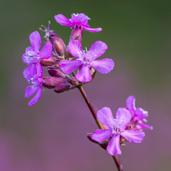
column 133, row 136
column 93, row 30
column 141, row 113
column 30, row 56
column 101, row 135
column 105, row 117
column 79, row 19
column 96, row 50
column 46, row 51
column 35, row 40
column 103, row 66
column 68, row 66
column 123, row 117
column 35, row 99
column 113, row 147
column 30, row 71
column 39, row 70
column 62, row 20
column 143, row 125
column 30, row 90
column 74, row 49
column 130, row 104
column 84, row 74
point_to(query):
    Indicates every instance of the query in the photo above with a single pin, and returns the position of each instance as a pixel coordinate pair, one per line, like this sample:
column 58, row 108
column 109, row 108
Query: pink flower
column 139, row 115
column 33, row 74
column 85, row 61
column 115, row 129
column 33, row 54
column 77, row 21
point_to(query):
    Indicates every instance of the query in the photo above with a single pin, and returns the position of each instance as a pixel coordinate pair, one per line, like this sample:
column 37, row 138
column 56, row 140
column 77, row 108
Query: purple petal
column 74, row 49
column 130, row 104
column 35, row 40
column 101, row 135
column 30, row 56
column 30, row 71
column 39, row 70
column 103, row 66
column 80, row 19
column 123, row 117
column 146, row 126
column 141, row 113
column 133, row 136
column 84, row 74
column 46, row 51
column 93, row 30
column 68, row 66
column 113, row 147
column 62, row 20
column 105, row 117
column 35, row 99
column 96, row 50
column 30, row 90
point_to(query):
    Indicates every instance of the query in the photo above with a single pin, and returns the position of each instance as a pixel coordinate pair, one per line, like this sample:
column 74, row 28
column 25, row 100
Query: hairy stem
column 93, row 112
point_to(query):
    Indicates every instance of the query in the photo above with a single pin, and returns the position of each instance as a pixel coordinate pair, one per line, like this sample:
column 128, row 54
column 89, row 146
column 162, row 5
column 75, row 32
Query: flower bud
column 58, row 44
column 63, row 86
column 48, row 62
column 52, row 82
column 56, row 73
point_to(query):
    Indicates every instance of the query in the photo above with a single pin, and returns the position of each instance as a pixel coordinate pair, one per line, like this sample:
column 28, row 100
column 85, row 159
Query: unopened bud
column 58, row 44
column 48, row 62
column 52, row 82
column 56, row 73
column 63, row 86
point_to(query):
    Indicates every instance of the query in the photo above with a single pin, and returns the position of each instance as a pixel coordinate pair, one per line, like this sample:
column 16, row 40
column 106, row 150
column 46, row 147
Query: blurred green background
column 139, row 37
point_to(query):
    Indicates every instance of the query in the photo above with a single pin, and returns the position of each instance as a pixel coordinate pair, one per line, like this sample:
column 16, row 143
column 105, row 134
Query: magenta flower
column 33, row 54
column 86, row 60
column 33, row 74
column 139, row 115
column 79, row 21
column 115, row 129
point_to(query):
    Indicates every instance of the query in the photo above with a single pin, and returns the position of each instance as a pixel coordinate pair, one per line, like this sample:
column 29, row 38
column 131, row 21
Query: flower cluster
column 70, row 66
column 34, row 71
column 127, row 125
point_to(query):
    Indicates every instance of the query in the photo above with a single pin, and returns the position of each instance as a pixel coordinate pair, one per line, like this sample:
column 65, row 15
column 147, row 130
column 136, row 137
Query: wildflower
column 85, row 61
column 33, row 74
column 115, row 129
column 79, row 20
column 139, row 115
column 33, row 54
column 78, row 23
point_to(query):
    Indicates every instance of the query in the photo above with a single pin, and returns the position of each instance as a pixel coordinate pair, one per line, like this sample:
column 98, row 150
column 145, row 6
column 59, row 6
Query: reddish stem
column 93, row 112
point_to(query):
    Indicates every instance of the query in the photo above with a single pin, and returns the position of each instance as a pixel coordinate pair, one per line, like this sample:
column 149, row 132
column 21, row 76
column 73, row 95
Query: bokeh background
column 51, row 136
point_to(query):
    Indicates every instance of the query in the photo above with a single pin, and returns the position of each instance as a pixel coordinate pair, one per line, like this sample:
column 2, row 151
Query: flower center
column 35, row 81
column 32, row 55
column 116, row 131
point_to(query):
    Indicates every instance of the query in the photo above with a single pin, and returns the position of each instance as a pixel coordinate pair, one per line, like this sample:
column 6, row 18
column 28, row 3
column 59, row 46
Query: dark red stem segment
column 93, row 112
column 118, row 164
